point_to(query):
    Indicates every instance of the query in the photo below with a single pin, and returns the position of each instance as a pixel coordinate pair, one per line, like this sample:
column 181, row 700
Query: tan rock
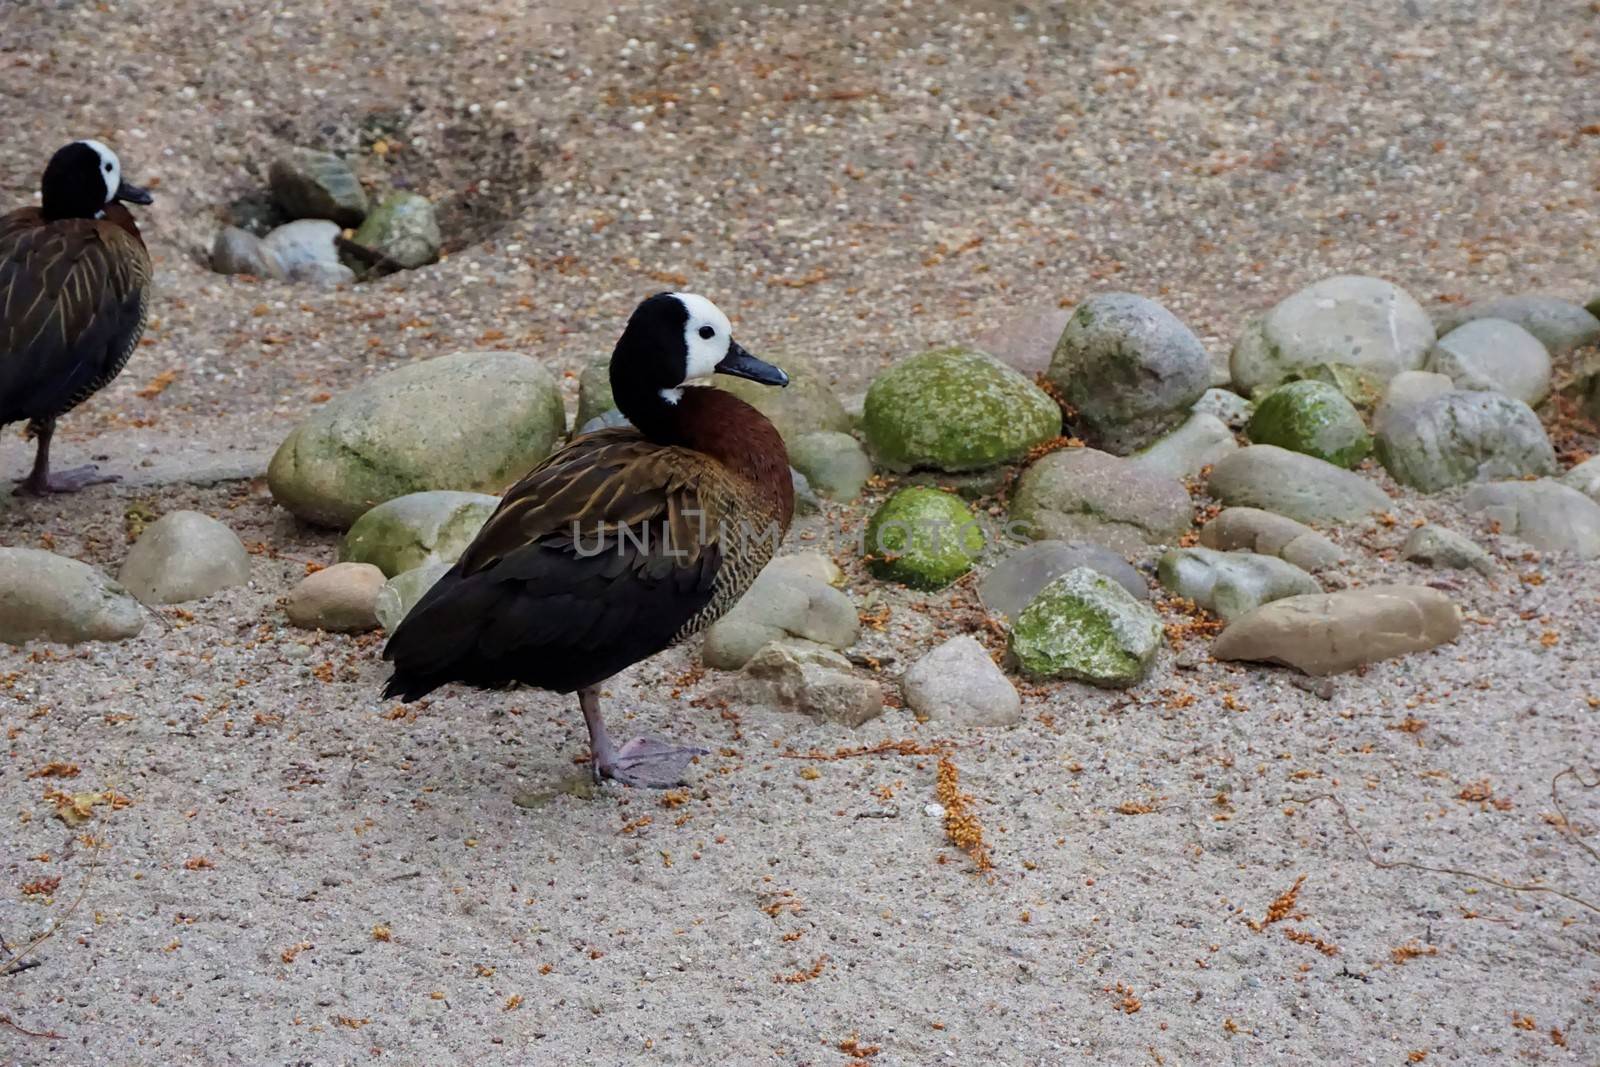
column 1326, row 633
column 342, row 598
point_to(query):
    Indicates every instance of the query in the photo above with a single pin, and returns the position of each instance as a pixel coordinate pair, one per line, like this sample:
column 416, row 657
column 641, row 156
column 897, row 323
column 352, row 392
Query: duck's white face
column 110, row 168
column 706, row 336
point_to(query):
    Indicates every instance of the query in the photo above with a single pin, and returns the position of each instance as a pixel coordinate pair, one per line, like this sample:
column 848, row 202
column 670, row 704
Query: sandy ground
column 851, row 182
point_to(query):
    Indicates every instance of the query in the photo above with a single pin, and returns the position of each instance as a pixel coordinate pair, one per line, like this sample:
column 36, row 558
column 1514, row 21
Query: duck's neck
column 720, row 425
column 114, row 212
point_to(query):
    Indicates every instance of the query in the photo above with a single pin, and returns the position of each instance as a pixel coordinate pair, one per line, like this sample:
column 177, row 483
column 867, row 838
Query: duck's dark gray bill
column 742, row 364
column 133, row 194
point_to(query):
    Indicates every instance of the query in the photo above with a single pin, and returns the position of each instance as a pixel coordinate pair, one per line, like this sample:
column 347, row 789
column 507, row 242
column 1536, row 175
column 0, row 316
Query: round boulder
column 1559, row 324
column 417, row 529
column 309, row 184
column 1080, row 494
column 184, row 556
column 958, row 683
column 956, row 409
column 1494, row 355
column 1011, row 584
column 237, row 251
column 404, row 228
column 594, row 393
column 474, row 421
column 780, row 605
column 1131, row 368
column 1314, row 418
column 923, row 538
column 1302, row 487
column 342, row 598
column 46, row 597
column 1456, row 437
column 1231, row 584
column 1367, row 329
column 1085, row 626
column 834, row 463
column 401, row 593
column 806, row 404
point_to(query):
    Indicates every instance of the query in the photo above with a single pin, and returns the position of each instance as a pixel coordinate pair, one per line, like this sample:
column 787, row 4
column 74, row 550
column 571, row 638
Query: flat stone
column 1011, row 584
column 958, row 684
column 781, row 604
column 1131, row 368
column 1086, row 627
column 237, row 251
column 1560, row 325
column 401, row 593
column 955, row 409
column 1299, row 486
column 1082, row 494
column 342, row 598
column 1495, row 355
column 807, row 679
column 46, row 597
column 471, row 421
column 835, row 463
column 1328, row 633
column 1461, row 436
column 1436, row 546
column 184, row 556
column 1544, row 513
column 1231, row 584
column 309, row 184
column 417, row 529
column 1254, row 530
column 1189, row 449
column 1367, row 328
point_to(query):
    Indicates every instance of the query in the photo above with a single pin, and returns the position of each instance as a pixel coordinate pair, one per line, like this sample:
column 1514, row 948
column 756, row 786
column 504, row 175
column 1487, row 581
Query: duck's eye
column 707, row 332
column 108, row 168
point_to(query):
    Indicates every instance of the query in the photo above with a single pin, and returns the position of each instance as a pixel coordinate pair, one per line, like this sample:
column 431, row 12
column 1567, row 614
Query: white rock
column 184, row 556
column 958, row 683
column 47, row 597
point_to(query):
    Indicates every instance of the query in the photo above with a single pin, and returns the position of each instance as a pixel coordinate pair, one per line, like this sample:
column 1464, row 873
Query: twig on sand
column 370, row 256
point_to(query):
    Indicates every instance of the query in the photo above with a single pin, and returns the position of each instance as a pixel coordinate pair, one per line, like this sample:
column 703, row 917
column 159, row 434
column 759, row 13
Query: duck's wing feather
column 72, row 300
column 592, row 562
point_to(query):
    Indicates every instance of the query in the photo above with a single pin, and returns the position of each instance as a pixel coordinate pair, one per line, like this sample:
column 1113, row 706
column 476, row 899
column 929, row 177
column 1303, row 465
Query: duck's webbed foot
column 45, row 482
column 643, row 761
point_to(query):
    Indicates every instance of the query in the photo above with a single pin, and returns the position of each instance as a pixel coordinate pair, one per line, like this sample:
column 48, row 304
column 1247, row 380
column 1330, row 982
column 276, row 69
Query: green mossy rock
column 1314, row 418
column 1084, row 625
column 417, row 529
column 956, row 409
column 473, row 421
column 923, row 538
column 404, row 228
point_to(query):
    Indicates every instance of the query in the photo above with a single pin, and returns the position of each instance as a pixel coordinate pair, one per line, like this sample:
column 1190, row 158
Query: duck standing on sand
column 620, row 545
column 74, row 292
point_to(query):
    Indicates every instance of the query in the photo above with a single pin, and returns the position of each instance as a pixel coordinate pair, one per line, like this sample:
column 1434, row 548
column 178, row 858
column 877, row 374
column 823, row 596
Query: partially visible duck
column 74, row 291
column 620, row 545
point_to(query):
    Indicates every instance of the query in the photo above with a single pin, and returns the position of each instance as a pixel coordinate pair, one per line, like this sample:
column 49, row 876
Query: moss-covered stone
column 956, row 409
column 1314, row 418
column 417, row 529
column 404, row 228
column 1085, row 626
column 1362, row 388
column 923, row 538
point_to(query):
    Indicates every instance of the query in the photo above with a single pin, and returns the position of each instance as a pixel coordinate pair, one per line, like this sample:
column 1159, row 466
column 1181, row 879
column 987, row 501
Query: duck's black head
column 673, row 339
column 81, row 179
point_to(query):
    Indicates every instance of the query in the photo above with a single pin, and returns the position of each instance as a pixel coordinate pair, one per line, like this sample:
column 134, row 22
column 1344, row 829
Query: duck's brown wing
column 595, row 560
column 72, row 307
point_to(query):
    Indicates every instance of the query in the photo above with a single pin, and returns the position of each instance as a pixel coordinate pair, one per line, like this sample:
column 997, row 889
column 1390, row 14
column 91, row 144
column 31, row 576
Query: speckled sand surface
column 854, row 182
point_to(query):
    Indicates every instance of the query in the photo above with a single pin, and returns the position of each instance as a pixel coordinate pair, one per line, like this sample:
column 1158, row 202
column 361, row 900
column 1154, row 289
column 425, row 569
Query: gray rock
column 1085, row 626
column 955, row 409
column 1231, row 584
column 46, row 597
column 401, row 593
column 806, row 501
column 1461, row 436
column 806, row 404
column 309, row 184
column 184, row 556
column 1365, row 330
column 1436, row 546
column 780, row 605
column 342, row 598
column 1084, row 495
column 1559, row 325
column 306, row 252
column 1011, row 584
column 1544, row 513
column 1327, row 633
column 1189, row 449
column 237, row 251
column 1028, row 340
column 807, row 564
column 835, row 463
column 1493, row 354
column 1233, row 409
column 404, row 228
column 606, row 420
column 1263, row 532
column 1131, row 368
column 1299, row 486
column 474, row 421
column 957, row 683
column 807, row 679
column 417, row 529
column 1585, row 478
column 594, row 393
column 255, row 213
column 1407, row 388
